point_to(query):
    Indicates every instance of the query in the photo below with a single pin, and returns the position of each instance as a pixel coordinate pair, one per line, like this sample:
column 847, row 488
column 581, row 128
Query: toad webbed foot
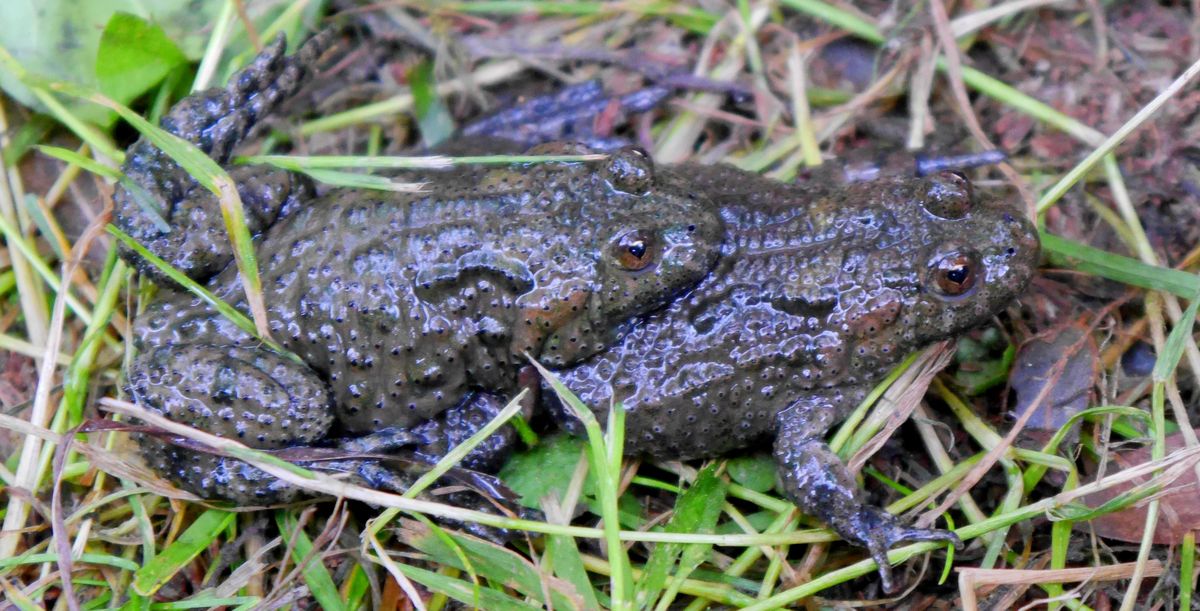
column 820, row 484
column 880, row 531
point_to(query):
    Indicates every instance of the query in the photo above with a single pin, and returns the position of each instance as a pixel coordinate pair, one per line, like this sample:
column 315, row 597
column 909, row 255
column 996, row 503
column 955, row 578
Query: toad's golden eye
column 634, row 250
column 630, row 170
column 949, row 195
column 955, row 274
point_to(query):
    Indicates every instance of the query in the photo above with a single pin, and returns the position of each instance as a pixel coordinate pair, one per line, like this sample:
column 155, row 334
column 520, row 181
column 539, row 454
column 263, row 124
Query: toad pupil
column 638, row 249
column 958, row 275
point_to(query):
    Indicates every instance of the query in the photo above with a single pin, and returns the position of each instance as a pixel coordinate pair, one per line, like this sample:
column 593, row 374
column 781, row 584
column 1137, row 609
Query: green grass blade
column 1119, row 268
column 837, row 17
column 143, row 199
column 73, row 158
column 352, row 180
column 1110, row 143
column 1164, row 367
column 497, row 565
column 460, row 451
column 464, row 591
column 207, row 601
column 14, row 239
column 202, row 533
column 606, row 483
column 1187, row 569
column 693, row 18
column 979, row 81
column 85, row 558
column 203, row 293
column 302, row 163
column 316, row 576
column 209, row 174
column 42, row 88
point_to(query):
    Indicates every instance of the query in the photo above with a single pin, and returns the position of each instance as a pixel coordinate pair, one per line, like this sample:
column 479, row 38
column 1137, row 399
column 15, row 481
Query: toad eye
column 949, row 195
column 955, row 274
column 634, row 250
column 630, row 170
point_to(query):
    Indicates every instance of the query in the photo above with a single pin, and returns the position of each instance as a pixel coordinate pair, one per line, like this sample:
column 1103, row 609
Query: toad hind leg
column 820, row 484
column 251, row 395
column 442, row 435
column 216, row 121
column 431, row 440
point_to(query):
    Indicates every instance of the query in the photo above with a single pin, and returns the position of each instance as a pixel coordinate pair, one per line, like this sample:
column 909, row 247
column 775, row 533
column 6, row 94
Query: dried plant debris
column 1054, row 375
column 1178, row 513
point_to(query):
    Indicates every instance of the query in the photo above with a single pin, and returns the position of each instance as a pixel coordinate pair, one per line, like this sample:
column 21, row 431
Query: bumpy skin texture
column 818, row 293
column 404, row 308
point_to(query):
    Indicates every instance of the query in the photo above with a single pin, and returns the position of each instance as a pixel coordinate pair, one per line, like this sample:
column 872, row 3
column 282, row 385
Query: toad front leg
column 193, row 238
column 816, row 480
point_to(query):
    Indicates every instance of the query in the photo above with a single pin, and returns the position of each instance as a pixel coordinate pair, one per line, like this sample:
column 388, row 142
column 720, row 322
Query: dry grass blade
column 954, row 73
column 971, row 22
column 1106, row 147
column 318, row 483
column 914, row 384
column 29, row 469
column 970, row 579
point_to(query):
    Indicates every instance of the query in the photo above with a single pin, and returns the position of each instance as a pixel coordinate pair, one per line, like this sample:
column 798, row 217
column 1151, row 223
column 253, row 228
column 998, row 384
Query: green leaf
column 545, row 469
column 985, row 373
column 754, row 472
column 696, row 511
column 60, row 39
column 568, row 565
column 699, row 510
column 432, row 116
column 134, row 56
column 203, row 531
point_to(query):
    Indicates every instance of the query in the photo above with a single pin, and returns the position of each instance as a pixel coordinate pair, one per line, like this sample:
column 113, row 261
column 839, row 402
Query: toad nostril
column 1008, row 218
column 1010, row 251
